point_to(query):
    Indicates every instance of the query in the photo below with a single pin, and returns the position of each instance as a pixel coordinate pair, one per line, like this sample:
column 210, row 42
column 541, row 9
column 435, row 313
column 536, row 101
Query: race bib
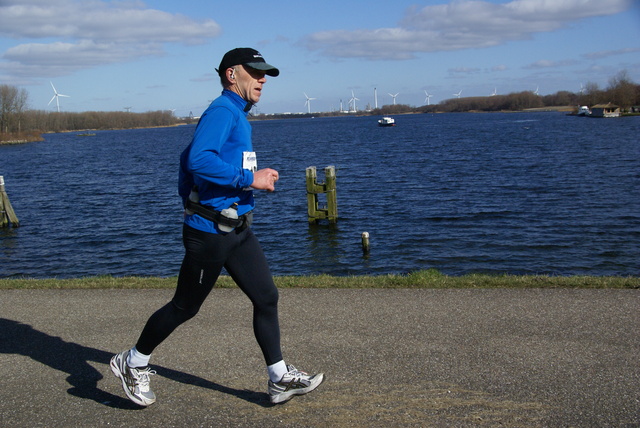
column 250, row 162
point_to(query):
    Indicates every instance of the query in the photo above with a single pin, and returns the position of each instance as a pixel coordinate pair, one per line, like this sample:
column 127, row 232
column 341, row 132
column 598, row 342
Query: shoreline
column 424, row 279
column 14, row 138
column 81, row 133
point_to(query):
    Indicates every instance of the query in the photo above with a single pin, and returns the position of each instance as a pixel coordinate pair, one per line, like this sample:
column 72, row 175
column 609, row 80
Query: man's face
column 248, row 83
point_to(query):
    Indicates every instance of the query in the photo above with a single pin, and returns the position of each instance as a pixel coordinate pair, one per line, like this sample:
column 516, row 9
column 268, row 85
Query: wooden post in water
column 7, row 215
column 330, row 212
column 365, row 243
column 332, row 197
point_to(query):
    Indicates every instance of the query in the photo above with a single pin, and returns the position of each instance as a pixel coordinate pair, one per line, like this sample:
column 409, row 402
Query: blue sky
column 161, row 54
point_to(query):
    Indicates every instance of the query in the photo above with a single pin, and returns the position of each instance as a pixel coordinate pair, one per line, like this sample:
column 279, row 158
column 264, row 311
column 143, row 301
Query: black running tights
column 206, row 254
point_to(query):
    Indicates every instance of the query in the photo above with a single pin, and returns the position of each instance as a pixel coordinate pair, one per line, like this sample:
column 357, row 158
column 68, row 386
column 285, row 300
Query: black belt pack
column 242, row 222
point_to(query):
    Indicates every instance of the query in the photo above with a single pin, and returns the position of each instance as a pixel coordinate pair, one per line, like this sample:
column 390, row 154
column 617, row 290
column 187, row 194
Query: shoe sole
column 118, row 373
column 286, row 396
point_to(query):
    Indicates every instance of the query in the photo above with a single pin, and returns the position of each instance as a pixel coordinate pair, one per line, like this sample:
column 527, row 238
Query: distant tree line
column 19, row 123
column 98, row 120
column 621, row 91
column 512, row 102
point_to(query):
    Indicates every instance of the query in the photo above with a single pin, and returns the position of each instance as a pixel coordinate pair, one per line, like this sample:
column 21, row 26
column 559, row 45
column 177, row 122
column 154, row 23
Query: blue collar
column 240, row 102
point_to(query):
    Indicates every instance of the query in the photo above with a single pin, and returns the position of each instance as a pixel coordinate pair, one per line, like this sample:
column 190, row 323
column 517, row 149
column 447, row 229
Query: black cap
column 249, row 57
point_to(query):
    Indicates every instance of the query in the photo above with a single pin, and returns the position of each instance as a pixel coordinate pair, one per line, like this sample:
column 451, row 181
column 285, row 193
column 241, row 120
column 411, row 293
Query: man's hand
column 265, row 179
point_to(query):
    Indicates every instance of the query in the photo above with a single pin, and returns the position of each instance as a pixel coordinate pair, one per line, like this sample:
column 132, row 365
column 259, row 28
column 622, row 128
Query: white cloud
column 84, row 53
column 545, row 63
column 464, row 70
column 71, row 34
column 605, row 54
column 460, row 24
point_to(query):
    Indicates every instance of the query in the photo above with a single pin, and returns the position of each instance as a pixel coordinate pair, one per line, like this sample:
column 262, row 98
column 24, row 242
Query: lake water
column 519, row 193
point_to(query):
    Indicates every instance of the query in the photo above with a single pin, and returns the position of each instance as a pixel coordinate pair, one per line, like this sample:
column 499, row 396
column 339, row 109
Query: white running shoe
column 294, row 382
column 135, row 381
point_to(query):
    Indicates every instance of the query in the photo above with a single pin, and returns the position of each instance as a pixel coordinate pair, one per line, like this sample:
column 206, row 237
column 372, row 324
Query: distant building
column 605, row 110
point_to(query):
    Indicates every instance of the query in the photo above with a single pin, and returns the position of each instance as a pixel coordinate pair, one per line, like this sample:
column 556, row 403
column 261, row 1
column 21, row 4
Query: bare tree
column 622, row 90
column 13, row 104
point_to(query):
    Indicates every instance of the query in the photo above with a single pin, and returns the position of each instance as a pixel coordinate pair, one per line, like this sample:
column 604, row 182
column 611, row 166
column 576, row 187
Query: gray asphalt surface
column 459, row 358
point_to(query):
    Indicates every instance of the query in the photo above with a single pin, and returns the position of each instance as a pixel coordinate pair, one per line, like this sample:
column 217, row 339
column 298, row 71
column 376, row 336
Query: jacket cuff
column 247, row 178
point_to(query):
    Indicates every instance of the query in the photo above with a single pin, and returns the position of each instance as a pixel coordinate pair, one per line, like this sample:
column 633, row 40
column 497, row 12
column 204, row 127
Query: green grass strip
column 419, row 279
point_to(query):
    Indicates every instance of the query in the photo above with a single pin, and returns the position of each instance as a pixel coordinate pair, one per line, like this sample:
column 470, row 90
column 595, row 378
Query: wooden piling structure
column 328, row 188
column 7, row 215
column 366, row 247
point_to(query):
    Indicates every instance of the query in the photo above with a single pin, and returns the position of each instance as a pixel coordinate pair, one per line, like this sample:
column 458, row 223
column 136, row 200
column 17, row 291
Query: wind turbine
column 458, row 94
column 308, row 102
column 581, row 89
column 56, row 95
column 536, row 91
column 375, row 96
column 428, row 98
column 495, row 92
column 394, row 97
column 353, row 101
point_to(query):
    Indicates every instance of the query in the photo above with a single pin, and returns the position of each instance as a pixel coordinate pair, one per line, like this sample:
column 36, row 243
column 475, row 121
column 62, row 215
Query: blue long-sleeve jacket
column 213, row 160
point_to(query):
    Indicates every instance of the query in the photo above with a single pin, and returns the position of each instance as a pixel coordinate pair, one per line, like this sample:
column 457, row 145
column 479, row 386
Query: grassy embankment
column 420, row 279
column 20, row 137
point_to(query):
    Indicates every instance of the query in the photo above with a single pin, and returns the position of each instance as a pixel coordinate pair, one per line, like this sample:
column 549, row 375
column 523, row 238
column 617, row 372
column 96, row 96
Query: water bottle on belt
column 232, row 213
column 193, row 197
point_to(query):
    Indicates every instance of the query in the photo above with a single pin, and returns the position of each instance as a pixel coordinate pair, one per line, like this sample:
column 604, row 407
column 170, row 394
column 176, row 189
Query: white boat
column 387, row 121
column 584, row 111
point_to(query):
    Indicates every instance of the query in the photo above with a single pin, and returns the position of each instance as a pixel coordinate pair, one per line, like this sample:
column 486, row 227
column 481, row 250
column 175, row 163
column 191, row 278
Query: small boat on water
column 583, row 111
column 387, row 121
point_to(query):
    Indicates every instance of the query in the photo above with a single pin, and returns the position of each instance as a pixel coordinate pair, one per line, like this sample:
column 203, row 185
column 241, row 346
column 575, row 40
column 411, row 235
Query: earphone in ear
column 233, row 74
